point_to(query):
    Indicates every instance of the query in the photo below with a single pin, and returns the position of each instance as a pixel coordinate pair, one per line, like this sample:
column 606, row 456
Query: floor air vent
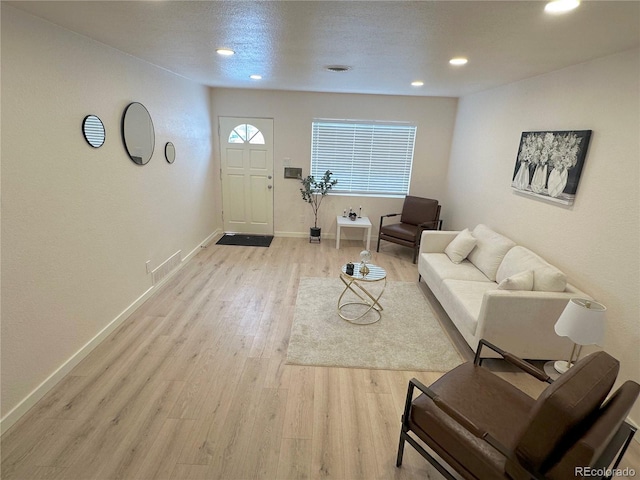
column 167, row 267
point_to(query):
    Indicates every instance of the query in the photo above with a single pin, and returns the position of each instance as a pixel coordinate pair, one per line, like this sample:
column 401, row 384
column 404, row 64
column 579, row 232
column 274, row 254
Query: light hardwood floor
column 194, row 385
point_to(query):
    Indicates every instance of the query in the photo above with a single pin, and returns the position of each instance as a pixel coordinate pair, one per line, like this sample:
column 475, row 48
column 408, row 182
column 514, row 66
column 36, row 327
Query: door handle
column 269, row 187
column 269, row 177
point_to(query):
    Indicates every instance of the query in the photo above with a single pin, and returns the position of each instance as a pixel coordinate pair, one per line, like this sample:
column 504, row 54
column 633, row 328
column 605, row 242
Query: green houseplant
column 313, row 191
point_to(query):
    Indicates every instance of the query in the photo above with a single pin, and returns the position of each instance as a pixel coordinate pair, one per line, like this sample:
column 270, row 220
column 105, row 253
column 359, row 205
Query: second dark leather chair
column 418, row 214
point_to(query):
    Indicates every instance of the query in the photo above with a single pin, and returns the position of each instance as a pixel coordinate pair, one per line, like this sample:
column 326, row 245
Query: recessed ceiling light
column 337, row 68
column 417, row 83
column 561, row 6
column 458, row 61
column 255, row 77
column 227, row 52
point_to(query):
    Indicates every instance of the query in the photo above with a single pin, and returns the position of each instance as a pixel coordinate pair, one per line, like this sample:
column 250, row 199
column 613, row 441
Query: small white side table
column 362, row 222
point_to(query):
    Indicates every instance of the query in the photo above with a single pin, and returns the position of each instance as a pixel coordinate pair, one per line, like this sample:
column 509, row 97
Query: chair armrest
column 424, row 225
column 512, row 359
column 455, row 414
column 385, row 216
column 459, row 417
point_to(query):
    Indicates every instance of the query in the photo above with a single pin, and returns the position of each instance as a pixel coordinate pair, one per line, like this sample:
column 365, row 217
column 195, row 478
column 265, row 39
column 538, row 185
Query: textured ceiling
column 387, row 44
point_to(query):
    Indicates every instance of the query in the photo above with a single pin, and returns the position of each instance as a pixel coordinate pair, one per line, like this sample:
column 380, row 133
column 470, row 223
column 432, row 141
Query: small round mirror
column 137, row 133
column 170, row 152
column 93, row 131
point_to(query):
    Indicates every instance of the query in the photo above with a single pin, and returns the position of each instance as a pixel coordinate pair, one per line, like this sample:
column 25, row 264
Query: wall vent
column 167, row 267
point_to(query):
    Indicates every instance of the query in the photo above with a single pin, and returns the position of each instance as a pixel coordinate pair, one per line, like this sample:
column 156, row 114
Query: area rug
column 407, row 337
column 245, row 240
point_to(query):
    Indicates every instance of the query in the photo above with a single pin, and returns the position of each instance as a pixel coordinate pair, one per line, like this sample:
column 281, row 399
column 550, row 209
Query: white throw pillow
column 491, row 247
column 546, row 277
column 549, row 279
column 519, row 281
column 461, row 246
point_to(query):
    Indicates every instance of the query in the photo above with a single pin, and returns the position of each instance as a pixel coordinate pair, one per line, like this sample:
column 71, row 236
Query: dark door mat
column 245, row 240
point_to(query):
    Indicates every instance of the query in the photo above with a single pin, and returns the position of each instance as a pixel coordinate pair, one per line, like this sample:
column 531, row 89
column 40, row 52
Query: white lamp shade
column 582, row 321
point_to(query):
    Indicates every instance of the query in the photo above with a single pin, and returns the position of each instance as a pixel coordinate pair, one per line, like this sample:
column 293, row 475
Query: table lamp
column 583, row 322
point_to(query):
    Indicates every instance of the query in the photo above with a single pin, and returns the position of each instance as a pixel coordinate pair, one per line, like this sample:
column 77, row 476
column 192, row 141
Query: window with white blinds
column 366, row 158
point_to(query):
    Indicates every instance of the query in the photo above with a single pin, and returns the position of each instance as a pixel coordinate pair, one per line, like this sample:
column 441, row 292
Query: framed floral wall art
column 549, row 164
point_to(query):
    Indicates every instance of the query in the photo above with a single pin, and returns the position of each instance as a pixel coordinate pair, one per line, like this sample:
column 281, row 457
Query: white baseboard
column 41, row 390
column 203, row 244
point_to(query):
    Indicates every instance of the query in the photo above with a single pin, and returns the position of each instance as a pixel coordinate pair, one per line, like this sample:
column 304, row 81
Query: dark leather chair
column 485, row 428
column 418, row 214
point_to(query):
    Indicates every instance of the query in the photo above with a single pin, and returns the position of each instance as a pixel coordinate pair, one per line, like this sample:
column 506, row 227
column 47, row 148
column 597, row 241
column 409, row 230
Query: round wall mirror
column 137, row 133
column 170, row 152
column 93, row 131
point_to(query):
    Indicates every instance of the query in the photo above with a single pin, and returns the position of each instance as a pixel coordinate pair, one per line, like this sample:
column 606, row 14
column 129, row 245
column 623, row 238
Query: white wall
column 293, row 113
column 78, row 223
column 595, row 241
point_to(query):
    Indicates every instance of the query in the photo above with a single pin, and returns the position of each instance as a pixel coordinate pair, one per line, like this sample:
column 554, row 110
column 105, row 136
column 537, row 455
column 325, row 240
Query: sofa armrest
column 435, row 241
column 524, row 321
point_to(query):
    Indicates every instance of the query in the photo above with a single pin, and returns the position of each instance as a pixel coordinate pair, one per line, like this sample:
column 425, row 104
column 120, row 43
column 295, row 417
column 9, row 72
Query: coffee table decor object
column 365, row 256
column 360, row 283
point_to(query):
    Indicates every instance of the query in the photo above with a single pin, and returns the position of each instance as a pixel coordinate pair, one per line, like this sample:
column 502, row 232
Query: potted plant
column 313, row 191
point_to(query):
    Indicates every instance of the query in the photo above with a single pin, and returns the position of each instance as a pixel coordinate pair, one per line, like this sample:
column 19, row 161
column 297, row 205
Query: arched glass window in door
column 246, row 133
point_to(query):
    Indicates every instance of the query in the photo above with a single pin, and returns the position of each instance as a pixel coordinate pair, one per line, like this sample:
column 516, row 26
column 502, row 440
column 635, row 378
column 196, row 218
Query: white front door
column 246, row 150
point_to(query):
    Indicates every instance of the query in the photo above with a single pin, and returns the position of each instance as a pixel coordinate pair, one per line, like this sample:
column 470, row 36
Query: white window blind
column 365, row 158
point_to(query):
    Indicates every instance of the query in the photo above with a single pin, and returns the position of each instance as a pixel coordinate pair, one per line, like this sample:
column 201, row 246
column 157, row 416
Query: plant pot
column 314, row 233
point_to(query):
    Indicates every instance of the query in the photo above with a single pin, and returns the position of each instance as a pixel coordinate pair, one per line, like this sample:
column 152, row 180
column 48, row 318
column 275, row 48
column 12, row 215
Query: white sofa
column 479, row 297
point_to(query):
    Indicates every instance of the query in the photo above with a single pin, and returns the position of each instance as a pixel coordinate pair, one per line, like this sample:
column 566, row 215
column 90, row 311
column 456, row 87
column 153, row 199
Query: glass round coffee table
column 359, row 284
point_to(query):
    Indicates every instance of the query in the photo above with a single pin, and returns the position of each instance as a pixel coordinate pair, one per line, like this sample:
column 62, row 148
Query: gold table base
column 368, row 300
